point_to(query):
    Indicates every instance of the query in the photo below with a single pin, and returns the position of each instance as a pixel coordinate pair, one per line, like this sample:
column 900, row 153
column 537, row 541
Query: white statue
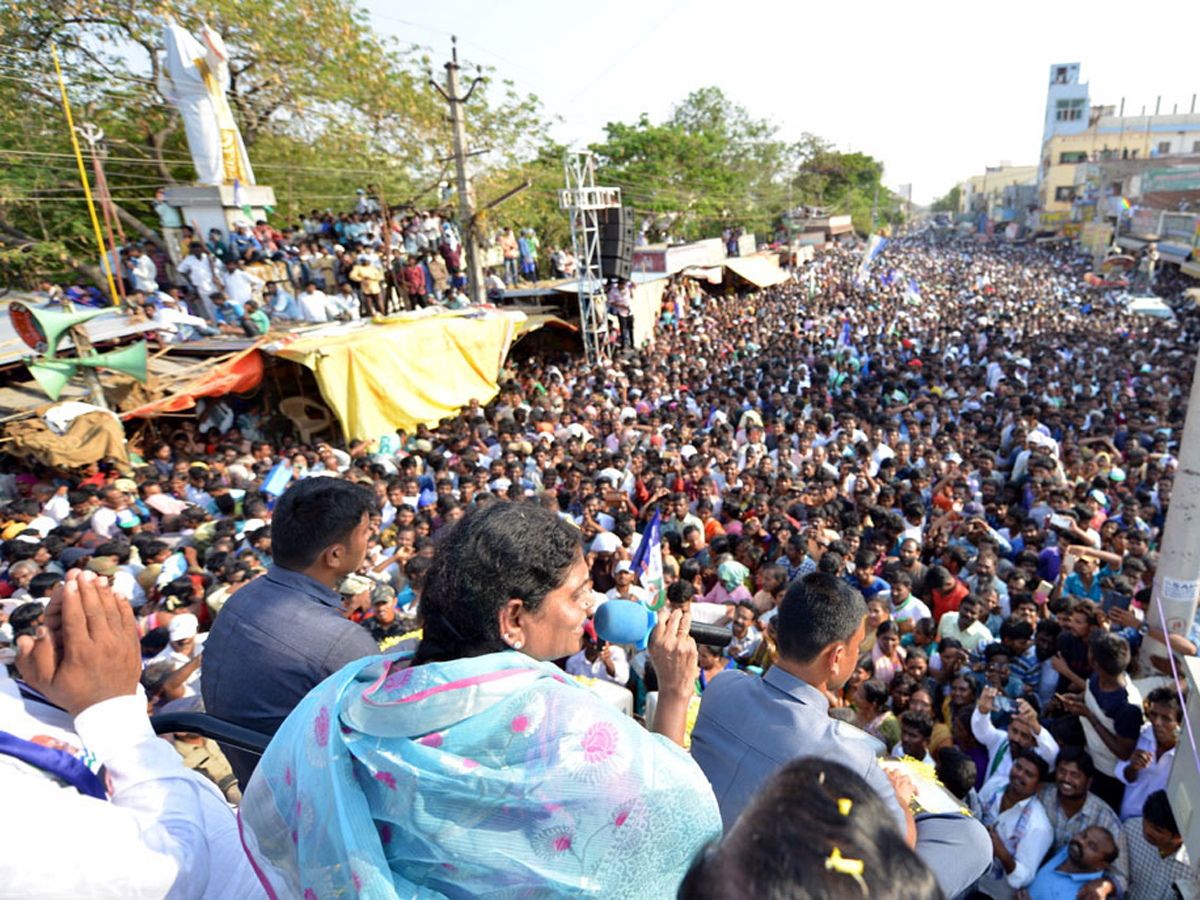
column 195, row 80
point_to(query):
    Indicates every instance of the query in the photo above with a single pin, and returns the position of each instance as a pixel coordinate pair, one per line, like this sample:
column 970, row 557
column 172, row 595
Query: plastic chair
column 308, row 416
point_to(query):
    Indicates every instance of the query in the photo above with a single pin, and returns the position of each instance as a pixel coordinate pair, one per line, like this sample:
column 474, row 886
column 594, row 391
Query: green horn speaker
column 43, row 329
column 52, row 375
column 130, row 360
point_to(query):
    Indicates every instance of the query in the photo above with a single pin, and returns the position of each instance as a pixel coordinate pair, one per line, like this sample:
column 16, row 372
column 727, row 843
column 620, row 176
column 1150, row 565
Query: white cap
column 605, row 542
column 623, row 566
column 183, row 626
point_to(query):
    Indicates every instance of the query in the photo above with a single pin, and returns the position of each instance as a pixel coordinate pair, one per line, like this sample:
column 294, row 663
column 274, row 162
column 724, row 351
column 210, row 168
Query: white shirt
column 641, row 595
column 898, row 752
column 143, row 273
column 168, row 320
column 912, row 608
column 314, row 307
column 999, row 753
column 747, row 645
column 125, row 587
column 578, row 665
column 57, row 507
column 1026, row 831
column 42, row 524
column 1105, row 760
column 199, row 273
column 1150, row 779
column 240, row 285
column 165, row 832
column 170, row 654
column 104, row 522
column 343, row 303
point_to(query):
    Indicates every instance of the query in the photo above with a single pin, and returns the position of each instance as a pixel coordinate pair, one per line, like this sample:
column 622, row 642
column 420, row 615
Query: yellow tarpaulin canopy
column 538, row 321
column 416, row 369
column 758, row 270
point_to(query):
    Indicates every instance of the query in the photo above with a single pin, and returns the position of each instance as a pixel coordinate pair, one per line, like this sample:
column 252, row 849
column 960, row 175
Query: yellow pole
column 87, row 190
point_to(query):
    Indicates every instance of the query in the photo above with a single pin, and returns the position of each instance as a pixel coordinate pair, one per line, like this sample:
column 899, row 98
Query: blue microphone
column 629, row 622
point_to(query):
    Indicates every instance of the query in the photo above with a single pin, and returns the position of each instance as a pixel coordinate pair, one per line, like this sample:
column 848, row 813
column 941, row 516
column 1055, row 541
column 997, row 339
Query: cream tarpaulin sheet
column 89, row 438
column 758, row 270
column 646, row 305
column 414, row 369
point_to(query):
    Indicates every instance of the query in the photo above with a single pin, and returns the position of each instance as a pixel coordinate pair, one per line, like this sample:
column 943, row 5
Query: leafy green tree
column 324, row 104
column 710, row 164
column 949, row 202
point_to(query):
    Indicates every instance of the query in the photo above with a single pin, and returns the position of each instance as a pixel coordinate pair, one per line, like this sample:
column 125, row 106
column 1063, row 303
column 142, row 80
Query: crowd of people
column 928, row 502
column 326, row 267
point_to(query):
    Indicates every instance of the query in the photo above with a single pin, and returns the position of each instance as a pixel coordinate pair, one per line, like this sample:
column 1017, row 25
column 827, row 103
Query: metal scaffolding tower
column 582, row 200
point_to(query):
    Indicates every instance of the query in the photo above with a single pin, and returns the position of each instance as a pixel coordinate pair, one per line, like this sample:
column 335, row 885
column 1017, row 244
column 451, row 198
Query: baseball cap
column 72, row 555
column 624, row 566
column 605, row 542
column 382, row 593
column 105, row 566
column 183, row 626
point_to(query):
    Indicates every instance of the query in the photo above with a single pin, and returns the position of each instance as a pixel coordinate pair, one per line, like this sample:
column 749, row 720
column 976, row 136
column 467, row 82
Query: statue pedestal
column 207, row 206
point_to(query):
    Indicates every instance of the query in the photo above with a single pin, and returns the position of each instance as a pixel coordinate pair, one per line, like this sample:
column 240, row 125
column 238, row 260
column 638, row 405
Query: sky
column 937, row 91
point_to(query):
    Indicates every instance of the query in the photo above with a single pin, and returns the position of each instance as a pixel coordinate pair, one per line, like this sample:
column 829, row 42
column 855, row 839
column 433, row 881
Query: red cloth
column 242, row 373
column 948, row 602
column 414, row 280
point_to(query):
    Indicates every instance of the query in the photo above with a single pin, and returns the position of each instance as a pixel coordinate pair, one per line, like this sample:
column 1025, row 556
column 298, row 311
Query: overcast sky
column 935, row 90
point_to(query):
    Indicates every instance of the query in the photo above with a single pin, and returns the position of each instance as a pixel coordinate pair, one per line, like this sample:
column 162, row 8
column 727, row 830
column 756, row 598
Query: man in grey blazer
column 749, row 727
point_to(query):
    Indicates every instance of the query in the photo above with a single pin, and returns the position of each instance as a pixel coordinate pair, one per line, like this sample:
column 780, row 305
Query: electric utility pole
column 1177, row 582
column 466, row 198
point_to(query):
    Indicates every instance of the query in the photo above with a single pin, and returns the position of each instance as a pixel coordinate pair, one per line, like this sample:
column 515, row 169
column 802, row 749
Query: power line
column 378, row 172
column 150, row 198
column 140, row 101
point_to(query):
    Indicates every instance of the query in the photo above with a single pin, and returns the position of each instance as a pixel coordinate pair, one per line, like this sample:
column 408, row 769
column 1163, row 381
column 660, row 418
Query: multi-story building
column 1067, row 106
column 1111, row 138
column 997, row 194
column 1131, row 201
column 1076, row 133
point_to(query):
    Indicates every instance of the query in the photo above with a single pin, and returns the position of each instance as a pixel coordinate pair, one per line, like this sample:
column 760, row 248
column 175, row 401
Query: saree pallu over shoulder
column 492, row 777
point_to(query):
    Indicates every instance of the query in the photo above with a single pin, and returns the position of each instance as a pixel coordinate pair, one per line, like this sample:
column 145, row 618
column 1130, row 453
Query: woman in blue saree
column 479, row 770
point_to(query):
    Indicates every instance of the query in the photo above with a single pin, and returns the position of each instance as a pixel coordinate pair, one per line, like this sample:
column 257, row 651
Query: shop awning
column 1130, row 243
column 538, row 321
column 242, row 372
column 1190, row 268
column 1173, row 255
column 415, row 368
column 711, row 274
column 757, row 270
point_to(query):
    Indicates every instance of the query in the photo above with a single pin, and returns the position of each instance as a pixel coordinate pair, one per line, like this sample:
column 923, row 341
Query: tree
column 324, row 104
column 948, row 203
column 845, row 183
column 709, row 165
